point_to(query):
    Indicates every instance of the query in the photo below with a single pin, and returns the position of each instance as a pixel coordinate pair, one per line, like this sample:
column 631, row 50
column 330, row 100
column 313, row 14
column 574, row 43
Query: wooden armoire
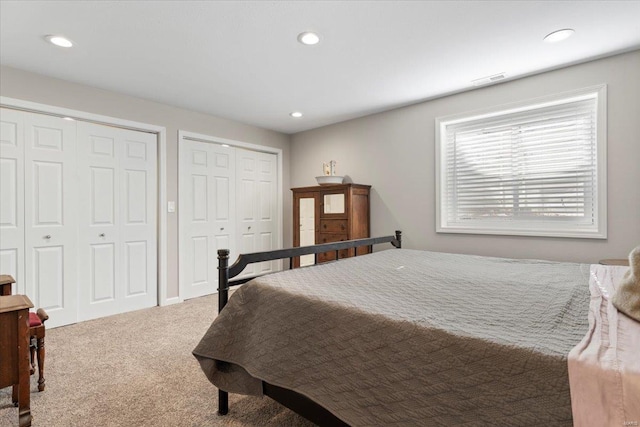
column 330, row 213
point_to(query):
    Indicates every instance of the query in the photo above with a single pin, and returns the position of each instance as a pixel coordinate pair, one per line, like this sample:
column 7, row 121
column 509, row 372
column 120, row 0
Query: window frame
column 545, row 228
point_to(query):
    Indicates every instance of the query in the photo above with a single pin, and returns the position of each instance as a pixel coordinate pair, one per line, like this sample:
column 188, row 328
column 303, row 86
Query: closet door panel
column 256, row 198
column 195, row 213
column 10, row 264
column 200, row 192
column 247, row 203
column 138, row 220
column 223, row 203
column 222, row 197
column 266, row 209
column 207, row 213
column 266, row 198
column 135, row 201
column 200, row 259
column 12, row 196
column 48, row 277
column 9, row 190
column 103, row 273
column 47, row 196
column 99, row 236
column 51, row 215
column 136, row 256
column 102, row 196
column 117, row 257
column 11, row 125
column 268, row 212
column 223, row 221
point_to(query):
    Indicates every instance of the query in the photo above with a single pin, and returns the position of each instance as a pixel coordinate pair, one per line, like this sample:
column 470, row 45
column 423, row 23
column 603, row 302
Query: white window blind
column 532, row 170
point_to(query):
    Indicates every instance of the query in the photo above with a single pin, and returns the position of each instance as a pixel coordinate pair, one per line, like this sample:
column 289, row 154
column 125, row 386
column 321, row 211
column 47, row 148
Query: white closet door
column 223, row 184
column 207, row 212
column 99, row 206
column 257, row 196
column 12, row 197
column 138, row 219
column 117, row 228
column 50, row 216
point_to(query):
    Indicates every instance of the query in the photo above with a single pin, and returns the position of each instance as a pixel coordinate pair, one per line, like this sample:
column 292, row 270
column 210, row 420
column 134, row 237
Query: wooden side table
column 15, row 368
column 623, row 262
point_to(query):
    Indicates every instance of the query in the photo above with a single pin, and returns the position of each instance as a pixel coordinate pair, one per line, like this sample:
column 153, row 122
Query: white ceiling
column 241, row 60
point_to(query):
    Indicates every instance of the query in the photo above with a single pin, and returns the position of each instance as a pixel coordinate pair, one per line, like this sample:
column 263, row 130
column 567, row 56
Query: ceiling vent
column 488, row 79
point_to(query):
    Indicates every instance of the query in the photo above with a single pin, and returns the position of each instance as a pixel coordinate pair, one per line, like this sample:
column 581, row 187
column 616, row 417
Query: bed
column 402, row 337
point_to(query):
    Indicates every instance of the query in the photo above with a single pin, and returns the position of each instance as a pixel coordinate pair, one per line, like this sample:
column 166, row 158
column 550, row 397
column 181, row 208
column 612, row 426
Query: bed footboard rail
column 225, row 273
column 246, row 259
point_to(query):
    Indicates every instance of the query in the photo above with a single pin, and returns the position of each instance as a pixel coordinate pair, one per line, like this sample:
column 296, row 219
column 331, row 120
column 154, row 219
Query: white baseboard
column 170, row 301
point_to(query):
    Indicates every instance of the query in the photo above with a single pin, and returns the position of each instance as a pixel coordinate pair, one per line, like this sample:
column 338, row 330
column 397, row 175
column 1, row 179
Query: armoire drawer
column 330, row 256
column 330, row 238
column 333, row 226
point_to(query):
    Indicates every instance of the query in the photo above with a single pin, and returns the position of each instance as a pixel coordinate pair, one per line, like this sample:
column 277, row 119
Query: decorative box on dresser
column 330, row 213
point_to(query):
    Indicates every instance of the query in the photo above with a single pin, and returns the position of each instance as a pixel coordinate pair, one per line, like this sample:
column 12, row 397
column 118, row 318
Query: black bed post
column 399, row 238
column 223, row 297
column 223, row 278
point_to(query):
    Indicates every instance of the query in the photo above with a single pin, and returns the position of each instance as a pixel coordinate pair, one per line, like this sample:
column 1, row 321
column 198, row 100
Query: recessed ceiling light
column 296, row 114
column 559, row 35
column 71, row 119
column 59, row 41
column 308, row 38
column 225, row 145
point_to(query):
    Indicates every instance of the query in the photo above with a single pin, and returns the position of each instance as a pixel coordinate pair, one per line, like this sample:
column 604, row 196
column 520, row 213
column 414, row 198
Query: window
column 536, row 168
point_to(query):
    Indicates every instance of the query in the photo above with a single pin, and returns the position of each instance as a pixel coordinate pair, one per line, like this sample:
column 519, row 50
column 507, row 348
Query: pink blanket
column 604, row 369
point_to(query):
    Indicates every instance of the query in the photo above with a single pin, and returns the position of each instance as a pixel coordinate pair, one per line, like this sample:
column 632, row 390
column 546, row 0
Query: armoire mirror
column 334, row 203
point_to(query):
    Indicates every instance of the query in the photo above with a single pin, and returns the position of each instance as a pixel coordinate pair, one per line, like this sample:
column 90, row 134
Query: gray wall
column 45, row 90
column 394, row 152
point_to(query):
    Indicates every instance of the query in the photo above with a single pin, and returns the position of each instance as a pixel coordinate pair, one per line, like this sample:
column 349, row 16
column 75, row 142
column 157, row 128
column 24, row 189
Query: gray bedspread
column 405, row 337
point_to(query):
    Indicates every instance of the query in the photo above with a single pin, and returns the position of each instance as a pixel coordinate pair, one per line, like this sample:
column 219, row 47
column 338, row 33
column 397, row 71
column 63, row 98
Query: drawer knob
column 48, row 236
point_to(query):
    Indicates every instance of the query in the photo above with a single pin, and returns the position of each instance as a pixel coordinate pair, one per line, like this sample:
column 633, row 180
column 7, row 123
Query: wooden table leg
column 40, row 351
column 24, row 368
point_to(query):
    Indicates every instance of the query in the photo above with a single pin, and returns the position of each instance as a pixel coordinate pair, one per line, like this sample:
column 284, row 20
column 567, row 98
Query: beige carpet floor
column 136, row 369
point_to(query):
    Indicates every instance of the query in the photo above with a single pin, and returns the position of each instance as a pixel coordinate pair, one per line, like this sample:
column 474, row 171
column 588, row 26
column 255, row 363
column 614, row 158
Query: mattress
column 406, row 337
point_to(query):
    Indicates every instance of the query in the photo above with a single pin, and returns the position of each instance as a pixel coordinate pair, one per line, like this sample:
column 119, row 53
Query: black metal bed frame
column 292, row 400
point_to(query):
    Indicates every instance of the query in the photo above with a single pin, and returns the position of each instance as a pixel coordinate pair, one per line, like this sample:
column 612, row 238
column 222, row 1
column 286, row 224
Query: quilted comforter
column 405, row 337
